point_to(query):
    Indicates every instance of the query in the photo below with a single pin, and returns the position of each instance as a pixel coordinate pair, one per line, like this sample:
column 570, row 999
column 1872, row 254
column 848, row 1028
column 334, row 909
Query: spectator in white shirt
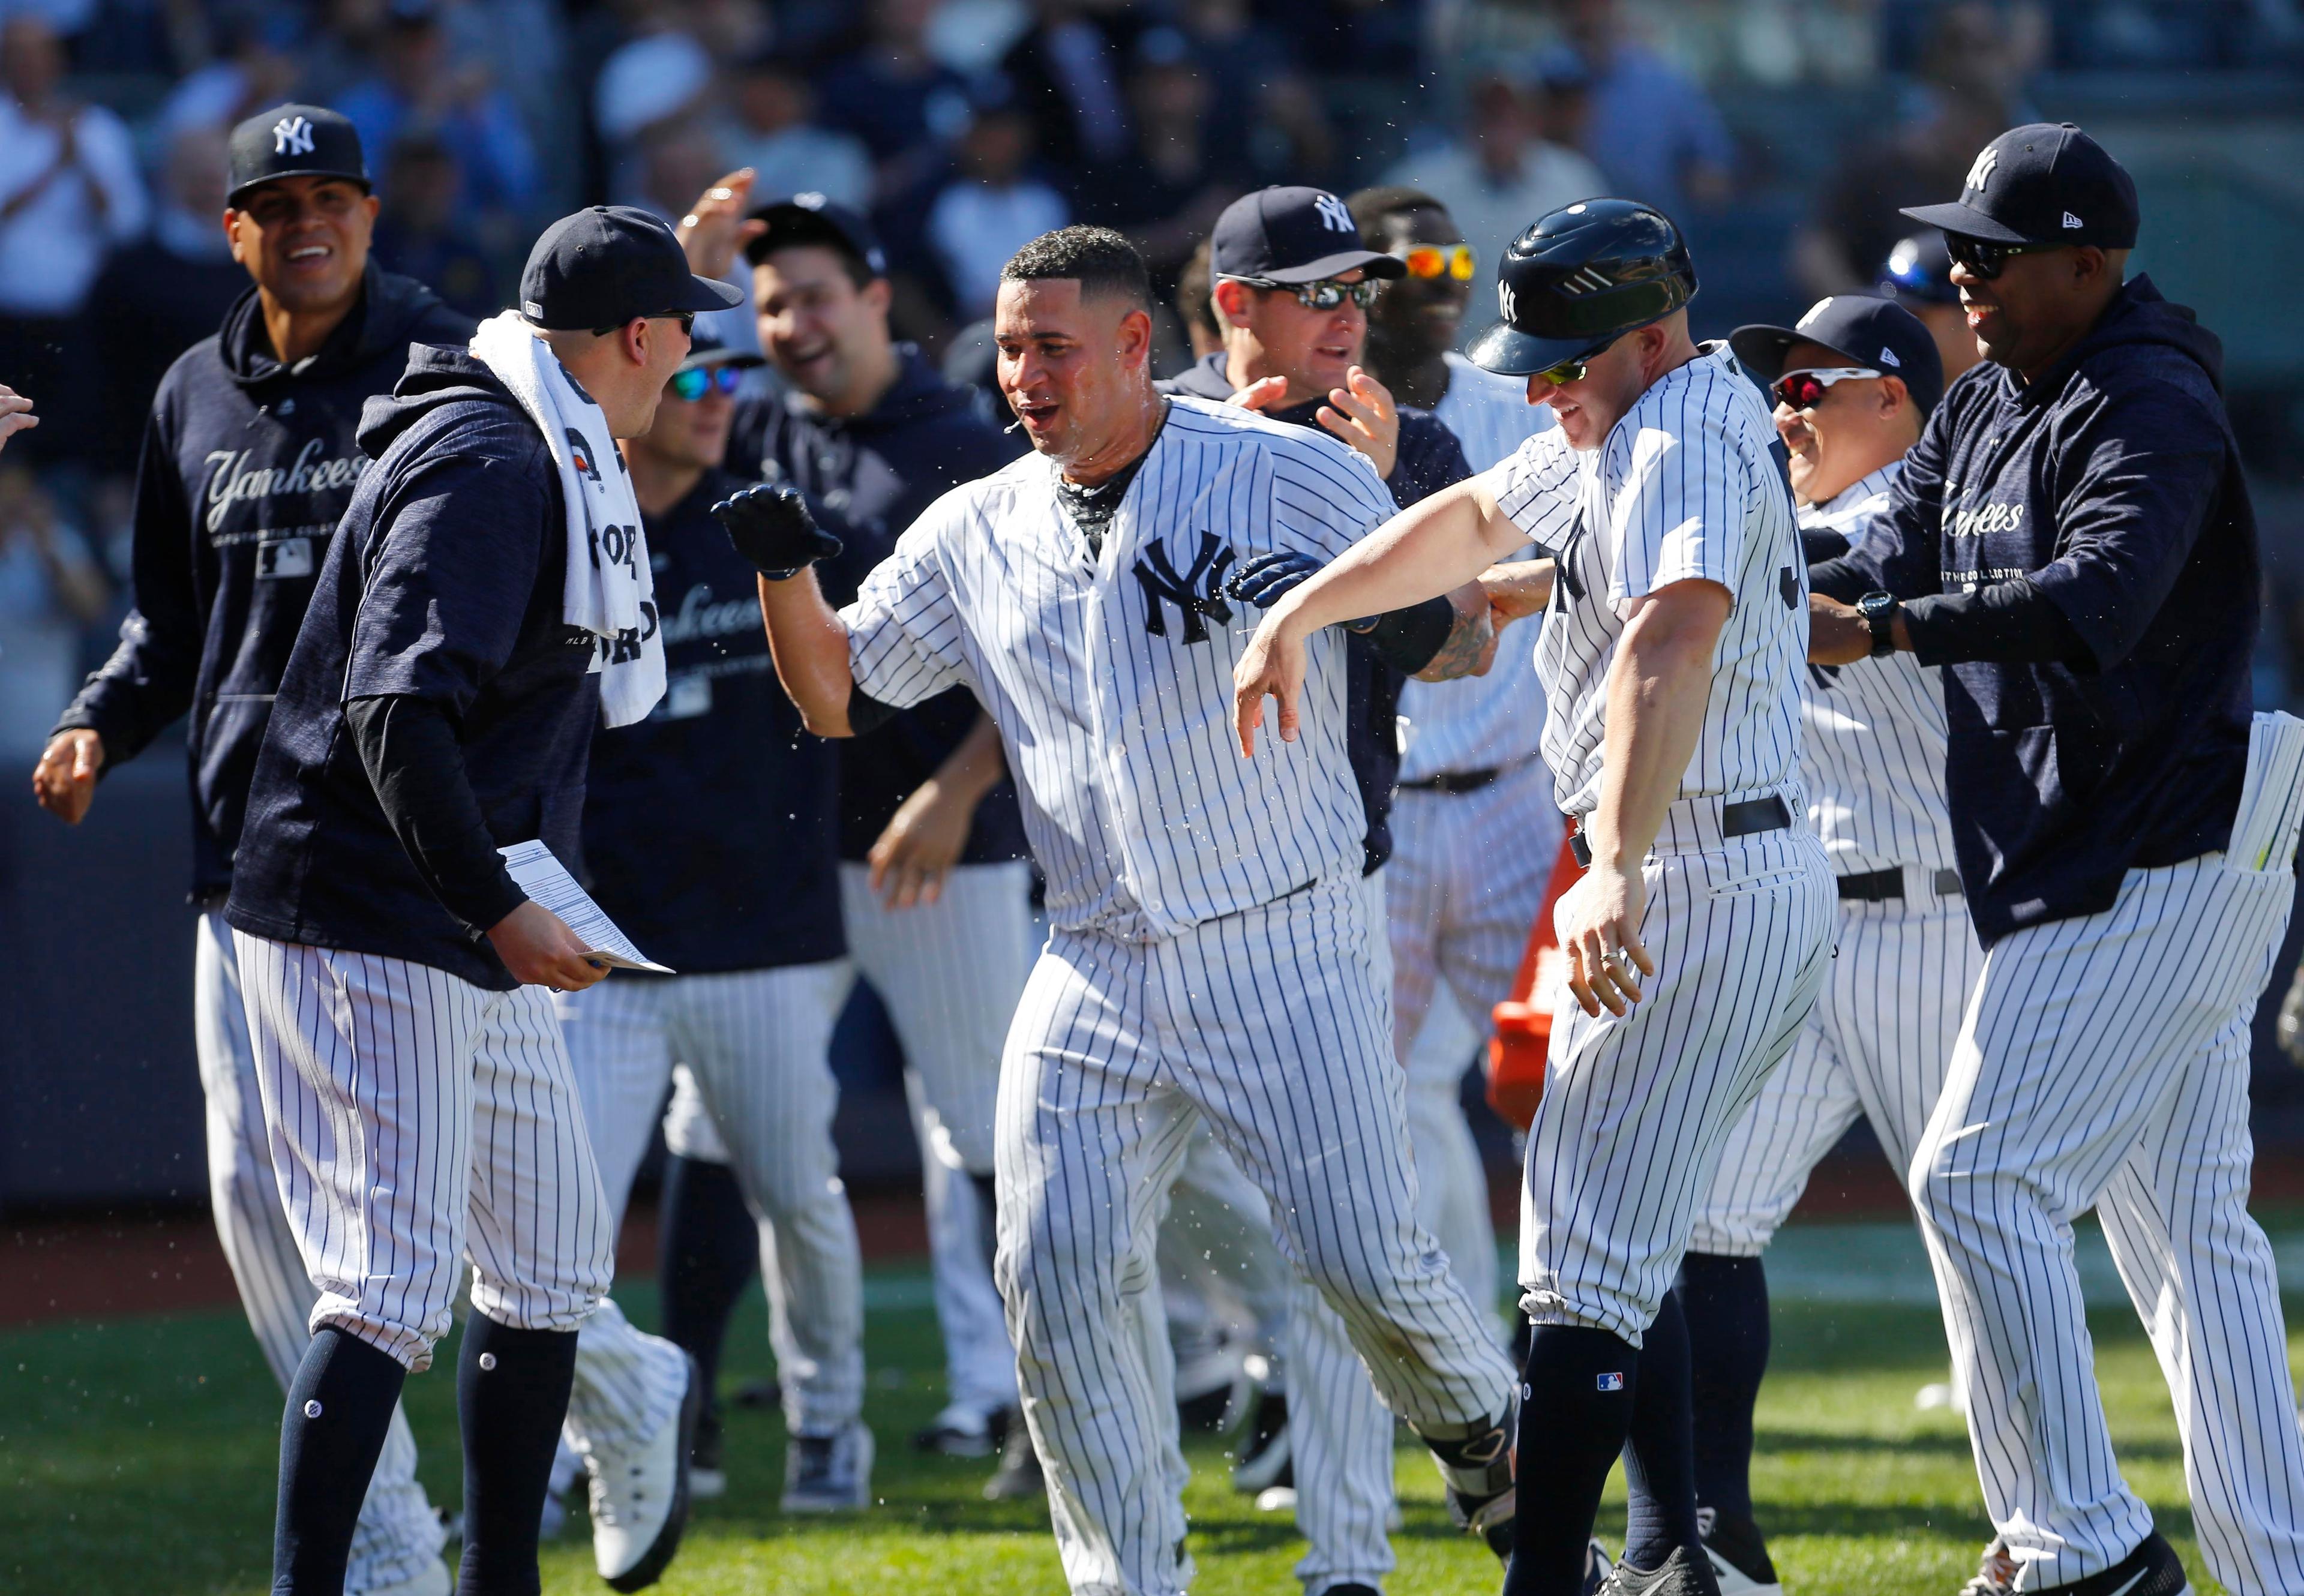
column 1501, row 174
column 992, row 206
column 69, row 192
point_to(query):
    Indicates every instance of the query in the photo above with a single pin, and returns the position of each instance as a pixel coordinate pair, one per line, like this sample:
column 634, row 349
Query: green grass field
column 136, row 1456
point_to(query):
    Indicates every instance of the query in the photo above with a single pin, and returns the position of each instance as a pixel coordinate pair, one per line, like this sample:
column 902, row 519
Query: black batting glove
column 1265, row 580
column 771, row 526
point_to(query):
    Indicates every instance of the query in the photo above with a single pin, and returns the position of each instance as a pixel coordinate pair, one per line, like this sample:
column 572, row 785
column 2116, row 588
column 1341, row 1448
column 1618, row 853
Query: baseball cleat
column 964, row 1431
column 1595, row 1567
column 1477, row 1471
column 639, row 1500
column 2152, row 1569
column 1687, row 1572
column 1277, row 1499
column 433, row 1579
column 1739, row 1557
column 1018, row 1478
column 1354, row 1588
column 1265, row 1459
column 829, row 1474
column 707, row 1477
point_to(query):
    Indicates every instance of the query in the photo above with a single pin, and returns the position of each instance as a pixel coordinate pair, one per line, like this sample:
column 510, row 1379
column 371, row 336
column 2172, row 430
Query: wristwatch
column 1879, row 612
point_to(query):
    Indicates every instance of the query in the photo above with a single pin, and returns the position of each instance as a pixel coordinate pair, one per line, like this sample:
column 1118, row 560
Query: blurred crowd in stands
column 1783, row 133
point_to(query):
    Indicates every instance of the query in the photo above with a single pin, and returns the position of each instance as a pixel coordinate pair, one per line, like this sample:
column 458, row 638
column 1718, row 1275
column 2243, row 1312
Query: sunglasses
column 1805, row 390
column 1433, row 260
column 1573, row 370
column 693, row 383
column 687, row 319
column 1985, row 260
column 1325, row 294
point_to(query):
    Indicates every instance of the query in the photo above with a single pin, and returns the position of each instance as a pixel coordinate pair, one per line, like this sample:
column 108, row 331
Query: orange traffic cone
column 1516, row 1053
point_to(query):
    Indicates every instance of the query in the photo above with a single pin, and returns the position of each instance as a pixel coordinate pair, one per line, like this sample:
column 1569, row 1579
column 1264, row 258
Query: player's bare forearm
column 1470, row 648
column 1518, row 590
column 1427, row 549
column 808, row 642
column 1658, row 686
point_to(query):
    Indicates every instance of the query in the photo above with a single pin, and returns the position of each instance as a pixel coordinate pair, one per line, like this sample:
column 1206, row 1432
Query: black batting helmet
column 1580, row 279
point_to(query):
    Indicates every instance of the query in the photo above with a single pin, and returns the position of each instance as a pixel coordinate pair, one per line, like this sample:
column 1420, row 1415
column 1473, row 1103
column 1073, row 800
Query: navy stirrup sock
column 1659, row 1459
column 1725, row 1303
column 1576, row 1395
column 339, row 1407
column 511, row 1394
column 708, row 1248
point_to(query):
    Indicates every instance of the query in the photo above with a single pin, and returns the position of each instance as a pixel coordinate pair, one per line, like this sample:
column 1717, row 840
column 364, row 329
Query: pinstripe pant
column 949, row 974
column 1636, row 1108
column 413, row 1115
column 398, row 1533
column 2104, row 1064
column 1877, row 1043
column 1273, row 1025
column 754, row 1042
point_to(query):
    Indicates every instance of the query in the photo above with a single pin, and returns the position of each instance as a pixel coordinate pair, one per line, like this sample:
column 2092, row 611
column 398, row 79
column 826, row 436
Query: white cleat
column 639, row 1500
column 829, row 1474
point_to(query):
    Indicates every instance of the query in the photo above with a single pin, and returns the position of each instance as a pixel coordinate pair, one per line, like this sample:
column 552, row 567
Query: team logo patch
column 293, row 135
column 1608, row 1382
column 1980, row 173
column 1198, row 593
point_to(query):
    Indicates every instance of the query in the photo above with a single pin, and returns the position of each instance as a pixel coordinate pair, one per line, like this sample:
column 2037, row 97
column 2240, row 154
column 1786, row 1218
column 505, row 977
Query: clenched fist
column 771, row 526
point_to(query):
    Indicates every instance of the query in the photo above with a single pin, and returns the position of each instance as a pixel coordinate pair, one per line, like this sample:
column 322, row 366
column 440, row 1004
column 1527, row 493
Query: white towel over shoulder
column 609, row 589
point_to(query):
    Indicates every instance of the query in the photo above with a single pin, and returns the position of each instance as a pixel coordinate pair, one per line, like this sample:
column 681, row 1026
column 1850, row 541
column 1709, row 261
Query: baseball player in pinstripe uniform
column 2071, row 540
column 1698, row 935
column 934, row 884
column 1852, row 382
column 742, row 898
column 1202, row 962
column 485, row 600
column 249, row 460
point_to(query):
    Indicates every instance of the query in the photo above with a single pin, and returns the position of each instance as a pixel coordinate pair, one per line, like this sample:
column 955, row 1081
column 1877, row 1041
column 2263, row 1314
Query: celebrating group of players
column 1903, row 737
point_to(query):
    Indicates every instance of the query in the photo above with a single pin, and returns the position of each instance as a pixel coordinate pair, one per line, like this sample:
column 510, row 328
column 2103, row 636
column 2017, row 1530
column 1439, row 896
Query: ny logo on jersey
column 1198, row 592
column 1334, row 213
column 1980, row 173
column 293, row 135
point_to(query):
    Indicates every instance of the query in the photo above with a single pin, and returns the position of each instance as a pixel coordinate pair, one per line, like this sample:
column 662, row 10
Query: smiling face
column 1417, row 319
column 1072, row 368
column 823, row 331
column 1272, row 333
column 1859, row 425
column 304, row 240
column 691, row 434
column 1589, row 408
column 2039, row 303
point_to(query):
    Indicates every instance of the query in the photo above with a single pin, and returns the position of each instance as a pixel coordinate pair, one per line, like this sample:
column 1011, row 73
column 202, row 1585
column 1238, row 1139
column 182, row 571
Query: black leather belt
column 1879, row 886
column 1748, row 818
column 1454, row 781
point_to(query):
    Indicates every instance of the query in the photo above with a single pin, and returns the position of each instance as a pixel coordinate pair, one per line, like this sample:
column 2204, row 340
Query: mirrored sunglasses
column 1432, row 260
column 1325, row 294
column 1805, row 390
column 699, row 380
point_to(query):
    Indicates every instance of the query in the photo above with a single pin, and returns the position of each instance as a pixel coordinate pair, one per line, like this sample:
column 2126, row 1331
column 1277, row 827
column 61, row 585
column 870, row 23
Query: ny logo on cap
column 1981, row 173
column 1504, row 300
column 1334, row 213
column 293, row 135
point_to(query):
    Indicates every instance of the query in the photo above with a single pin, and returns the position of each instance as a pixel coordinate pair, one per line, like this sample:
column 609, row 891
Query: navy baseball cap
column 607, row 264
column 811, row 218
column 2047, row 183
column 1919, row 268
column 705, row 351
column 1862, row 331
column 293, row 140
column 1292, row 235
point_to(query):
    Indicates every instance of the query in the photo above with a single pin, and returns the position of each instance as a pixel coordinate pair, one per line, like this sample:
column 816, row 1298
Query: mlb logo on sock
column 1610, row 1382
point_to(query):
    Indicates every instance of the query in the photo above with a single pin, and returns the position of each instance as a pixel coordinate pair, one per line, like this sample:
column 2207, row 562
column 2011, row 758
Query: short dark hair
column 803, row 233
column 1102, row 261
column 1373, row 208
column 1194, row 285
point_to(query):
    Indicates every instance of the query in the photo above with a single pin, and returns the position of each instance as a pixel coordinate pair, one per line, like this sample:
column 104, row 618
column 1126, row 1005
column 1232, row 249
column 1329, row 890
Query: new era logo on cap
column 1888, row 357
column 2072, row 221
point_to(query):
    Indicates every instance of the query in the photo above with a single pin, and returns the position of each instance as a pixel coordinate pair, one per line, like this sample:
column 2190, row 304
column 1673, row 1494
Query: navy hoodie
column 1429, row 459
column 867, row 478
column 247, row 467
column 443, row 583
column 2114, row 483
column 738, row 870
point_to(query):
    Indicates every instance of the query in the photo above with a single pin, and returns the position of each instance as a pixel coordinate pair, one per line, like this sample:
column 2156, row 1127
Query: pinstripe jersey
column 1682, row 487
column 1873, row 732
column 1479, row 722
column 1111, row 677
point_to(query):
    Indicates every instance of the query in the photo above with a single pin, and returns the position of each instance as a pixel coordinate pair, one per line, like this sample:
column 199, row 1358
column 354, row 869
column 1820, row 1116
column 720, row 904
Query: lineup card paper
column 547, row 881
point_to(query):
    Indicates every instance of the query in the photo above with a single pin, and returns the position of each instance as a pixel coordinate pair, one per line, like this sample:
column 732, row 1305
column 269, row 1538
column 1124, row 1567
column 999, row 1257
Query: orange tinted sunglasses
column 1430, row 260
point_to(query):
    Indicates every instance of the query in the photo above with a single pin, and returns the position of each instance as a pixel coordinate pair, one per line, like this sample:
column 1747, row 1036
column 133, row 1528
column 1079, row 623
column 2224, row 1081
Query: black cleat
column 1265, row 1457
column 1739, row 1557
column 2152, row 1569
column 1018, row 1478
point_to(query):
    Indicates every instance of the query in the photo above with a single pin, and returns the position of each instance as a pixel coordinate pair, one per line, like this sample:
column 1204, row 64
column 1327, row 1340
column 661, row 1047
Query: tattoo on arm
column 1469, row 644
